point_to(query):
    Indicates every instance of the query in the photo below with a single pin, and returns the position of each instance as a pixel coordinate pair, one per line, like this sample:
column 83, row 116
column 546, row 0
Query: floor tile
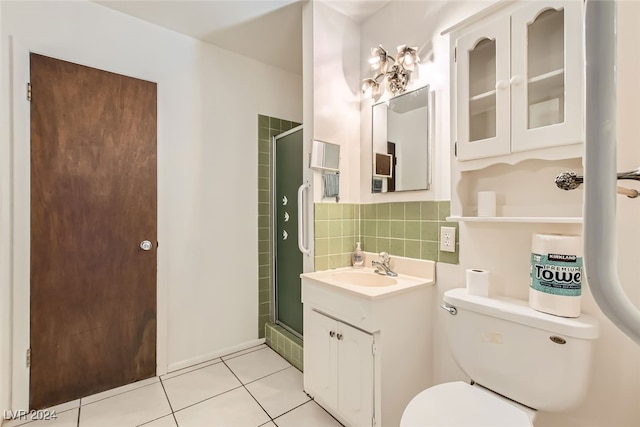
column 307, row 415
column 127, row 409
column 196, row 386
column 241, row 352
column 235, row 408
column 68, row 418
column 167, row 421
column 190, row 368
column 280, row 392
column 252, row 366
column 118, row 390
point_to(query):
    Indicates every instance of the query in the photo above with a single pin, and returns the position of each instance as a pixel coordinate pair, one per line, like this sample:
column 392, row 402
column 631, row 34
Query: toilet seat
column 458, row 404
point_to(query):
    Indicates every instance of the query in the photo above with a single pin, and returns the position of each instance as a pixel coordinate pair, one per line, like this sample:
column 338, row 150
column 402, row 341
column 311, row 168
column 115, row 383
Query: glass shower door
column 288, row 258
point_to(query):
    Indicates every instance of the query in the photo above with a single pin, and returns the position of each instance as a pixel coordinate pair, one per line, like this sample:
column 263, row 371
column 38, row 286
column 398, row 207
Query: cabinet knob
column 516, row 80
column 339, row 336
column 502, row 85
column 332, row 334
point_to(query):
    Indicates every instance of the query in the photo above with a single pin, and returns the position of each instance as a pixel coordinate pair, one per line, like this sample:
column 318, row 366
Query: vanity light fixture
column 397, row 71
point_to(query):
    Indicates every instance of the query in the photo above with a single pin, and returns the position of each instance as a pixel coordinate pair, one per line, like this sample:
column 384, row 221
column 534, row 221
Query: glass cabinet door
column 482, row 82
column 546, row 76
column 482, row 92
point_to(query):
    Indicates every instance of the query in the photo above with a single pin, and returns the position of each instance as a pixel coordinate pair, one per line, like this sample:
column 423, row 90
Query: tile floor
column 252, row 388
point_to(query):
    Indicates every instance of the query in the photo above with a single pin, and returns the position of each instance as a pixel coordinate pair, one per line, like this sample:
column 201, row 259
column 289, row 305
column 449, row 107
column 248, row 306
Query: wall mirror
column 400, row 142
column 325, row 156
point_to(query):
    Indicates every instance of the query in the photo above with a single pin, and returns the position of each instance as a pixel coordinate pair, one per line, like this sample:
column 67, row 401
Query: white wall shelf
column 521, row 219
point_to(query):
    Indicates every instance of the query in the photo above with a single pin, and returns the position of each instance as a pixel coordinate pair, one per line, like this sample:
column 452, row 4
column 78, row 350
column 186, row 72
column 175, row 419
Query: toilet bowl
column 459, row 404
column 519, row 360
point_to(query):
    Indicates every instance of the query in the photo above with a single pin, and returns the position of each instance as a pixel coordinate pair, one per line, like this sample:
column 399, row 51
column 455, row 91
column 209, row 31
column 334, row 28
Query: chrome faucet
column 382, row 266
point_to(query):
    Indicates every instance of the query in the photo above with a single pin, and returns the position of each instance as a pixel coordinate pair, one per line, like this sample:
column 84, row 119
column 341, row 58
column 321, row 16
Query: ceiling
column 269, row 31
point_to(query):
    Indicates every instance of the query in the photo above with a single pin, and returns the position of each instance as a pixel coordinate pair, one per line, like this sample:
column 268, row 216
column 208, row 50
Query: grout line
column 79, row 409
column 252, row 396
column 268, row 375
column 292, row 409
column 122, row 392
column 208, row 363
column 168, row 401
column 329, row 413
column 253, row 350
column 192, row 368
column 209, row 398
column 153, row 420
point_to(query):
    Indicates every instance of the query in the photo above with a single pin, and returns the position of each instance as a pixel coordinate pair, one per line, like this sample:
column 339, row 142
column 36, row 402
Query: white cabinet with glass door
column 518, row 79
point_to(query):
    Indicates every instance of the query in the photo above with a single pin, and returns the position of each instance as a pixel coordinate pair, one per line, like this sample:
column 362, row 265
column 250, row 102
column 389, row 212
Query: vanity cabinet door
column 355, row 375
column 482, row 91
column 547, row 78
column 339, row 368
column 321, row 367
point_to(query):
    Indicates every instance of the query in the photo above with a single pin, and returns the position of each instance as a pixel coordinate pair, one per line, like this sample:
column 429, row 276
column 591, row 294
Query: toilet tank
column 537, row 359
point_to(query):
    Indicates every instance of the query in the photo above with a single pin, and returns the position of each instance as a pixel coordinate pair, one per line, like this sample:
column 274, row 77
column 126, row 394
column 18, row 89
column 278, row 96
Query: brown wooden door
column 93, row 200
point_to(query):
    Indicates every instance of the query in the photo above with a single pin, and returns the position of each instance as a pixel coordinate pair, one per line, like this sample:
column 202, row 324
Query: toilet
column 519, row 361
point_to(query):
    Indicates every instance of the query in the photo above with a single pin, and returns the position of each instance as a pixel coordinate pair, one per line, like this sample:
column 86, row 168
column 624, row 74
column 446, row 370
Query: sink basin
column 363, row 278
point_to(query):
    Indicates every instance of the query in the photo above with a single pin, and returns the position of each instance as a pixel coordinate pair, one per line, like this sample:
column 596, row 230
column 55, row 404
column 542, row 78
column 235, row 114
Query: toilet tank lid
column 518, row 311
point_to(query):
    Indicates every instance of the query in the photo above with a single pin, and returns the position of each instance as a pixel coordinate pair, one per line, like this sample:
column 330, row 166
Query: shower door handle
column 301, row 218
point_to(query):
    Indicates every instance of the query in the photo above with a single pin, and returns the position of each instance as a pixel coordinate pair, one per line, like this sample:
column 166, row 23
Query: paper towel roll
column 486, row 203
column 556, row 274
column 478, row 282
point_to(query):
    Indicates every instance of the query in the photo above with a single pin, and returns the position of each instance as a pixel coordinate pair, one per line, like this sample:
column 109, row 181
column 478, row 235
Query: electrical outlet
column 448, row 239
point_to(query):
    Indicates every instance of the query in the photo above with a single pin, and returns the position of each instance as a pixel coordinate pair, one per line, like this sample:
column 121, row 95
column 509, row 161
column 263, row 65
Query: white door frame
column 18, row 225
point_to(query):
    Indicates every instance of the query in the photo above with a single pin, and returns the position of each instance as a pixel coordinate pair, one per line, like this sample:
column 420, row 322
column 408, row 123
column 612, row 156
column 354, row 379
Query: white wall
column 336, row 93
column 612, row 399
column 208, row 102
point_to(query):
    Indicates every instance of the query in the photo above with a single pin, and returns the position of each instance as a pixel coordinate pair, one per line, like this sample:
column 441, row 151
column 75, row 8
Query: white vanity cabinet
column 517, row 74
column 340, row 367
column 367, row 350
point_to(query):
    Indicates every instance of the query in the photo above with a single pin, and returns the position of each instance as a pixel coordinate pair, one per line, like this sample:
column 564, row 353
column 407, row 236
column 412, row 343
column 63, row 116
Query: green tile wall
column 336, row 231
column 267, row 128
column 408, row 229
column 285, row 344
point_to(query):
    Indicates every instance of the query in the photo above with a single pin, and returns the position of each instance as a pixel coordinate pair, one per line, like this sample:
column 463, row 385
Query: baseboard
column 218, row 353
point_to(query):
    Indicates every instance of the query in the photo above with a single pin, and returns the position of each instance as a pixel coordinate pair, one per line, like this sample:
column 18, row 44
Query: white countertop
column 404, row 282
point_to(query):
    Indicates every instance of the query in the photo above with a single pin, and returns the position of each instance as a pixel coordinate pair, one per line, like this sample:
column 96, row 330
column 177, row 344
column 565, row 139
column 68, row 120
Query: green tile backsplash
column 408, row 229
column 337, row 229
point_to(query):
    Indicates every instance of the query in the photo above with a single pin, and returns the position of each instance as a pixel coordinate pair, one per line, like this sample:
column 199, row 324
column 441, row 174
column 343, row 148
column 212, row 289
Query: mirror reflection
column 400, row 143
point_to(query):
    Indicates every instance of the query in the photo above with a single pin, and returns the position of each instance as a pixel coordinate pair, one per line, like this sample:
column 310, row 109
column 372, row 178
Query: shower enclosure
column 288, row 260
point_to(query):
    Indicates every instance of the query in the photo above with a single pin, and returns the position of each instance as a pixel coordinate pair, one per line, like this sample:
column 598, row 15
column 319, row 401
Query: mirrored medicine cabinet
column 400, row 142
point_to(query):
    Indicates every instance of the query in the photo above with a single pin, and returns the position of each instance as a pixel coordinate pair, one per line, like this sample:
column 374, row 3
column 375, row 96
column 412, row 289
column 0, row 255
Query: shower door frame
column 274, row 228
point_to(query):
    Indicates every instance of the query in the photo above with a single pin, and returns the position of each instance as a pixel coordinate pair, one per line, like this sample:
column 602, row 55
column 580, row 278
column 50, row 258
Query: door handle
column 301, row 218
column 145, row 245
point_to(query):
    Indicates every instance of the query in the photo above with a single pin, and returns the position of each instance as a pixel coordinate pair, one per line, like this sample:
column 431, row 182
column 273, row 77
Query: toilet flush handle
column 451, row 309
